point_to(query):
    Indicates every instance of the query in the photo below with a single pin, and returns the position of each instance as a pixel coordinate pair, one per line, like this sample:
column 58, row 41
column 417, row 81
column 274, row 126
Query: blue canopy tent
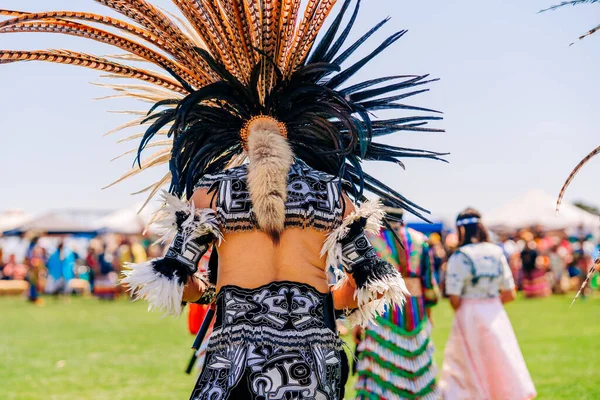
column 426, row 228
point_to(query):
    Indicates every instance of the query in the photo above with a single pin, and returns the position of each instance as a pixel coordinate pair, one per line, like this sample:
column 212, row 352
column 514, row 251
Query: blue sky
column 518, row 102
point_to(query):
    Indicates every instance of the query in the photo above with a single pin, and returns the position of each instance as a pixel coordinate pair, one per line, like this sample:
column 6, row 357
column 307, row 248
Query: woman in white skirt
column 482, row 359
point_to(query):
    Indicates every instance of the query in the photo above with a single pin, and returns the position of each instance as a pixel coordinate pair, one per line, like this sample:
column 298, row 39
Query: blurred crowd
column 542, row 262
column 59, row 269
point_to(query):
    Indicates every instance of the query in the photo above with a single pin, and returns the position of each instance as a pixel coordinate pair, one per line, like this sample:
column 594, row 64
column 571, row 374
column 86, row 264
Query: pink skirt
column 482, row 359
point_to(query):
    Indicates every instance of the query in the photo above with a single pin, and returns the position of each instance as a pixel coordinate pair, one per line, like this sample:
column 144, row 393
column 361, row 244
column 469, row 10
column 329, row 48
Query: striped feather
column 157, row 23
column 572, row 175
column 203, row 21
column 253, row 16
column 289, row 16
column 239, row 24
column 270, row 13
column 84, row 16
column 187, row 28
column 309, row 14
column 11, row 13
column 224, row 42
column 81, row 30
column 88, row 61
column 160, row 157
column 320, row 16
column 590, row 32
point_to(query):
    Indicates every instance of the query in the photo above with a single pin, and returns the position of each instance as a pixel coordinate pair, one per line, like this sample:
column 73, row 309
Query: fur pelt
column 270, row 158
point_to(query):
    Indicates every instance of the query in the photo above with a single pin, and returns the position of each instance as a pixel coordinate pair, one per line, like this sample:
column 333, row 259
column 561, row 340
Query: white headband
column 467, row 221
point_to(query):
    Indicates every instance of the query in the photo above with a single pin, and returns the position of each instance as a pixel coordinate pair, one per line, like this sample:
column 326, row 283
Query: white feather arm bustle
column 199, row 221
column 143, row 281
column 388, row 291
column 161, row 293
column 371, row 210
column 378, row 292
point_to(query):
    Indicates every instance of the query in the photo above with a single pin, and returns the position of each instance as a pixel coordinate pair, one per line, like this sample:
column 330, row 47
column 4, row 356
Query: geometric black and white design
column 273, row 342
column 314, row 198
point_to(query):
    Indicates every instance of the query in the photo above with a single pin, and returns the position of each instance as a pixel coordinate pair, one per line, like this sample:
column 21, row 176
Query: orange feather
column 89, row 61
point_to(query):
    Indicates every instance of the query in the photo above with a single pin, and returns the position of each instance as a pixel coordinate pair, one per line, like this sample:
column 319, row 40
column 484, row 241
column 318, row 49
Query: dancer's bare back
column 250, row 259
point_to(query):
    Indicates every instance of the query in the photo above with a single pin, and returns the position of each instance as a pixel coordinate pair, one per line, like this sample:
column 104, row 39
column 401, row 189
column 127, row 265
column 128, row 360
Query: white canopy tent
column 128, row 221
column 11, row 219
column 537, row 207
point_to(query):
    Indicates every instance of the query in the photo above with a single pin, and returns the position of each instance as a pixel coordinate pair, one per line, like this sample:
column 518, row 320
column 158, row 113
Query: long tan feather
column 134, row 122
column 188, row 28
column 88, row 61
column 572, row 175
column 162, row 132
column 147, row 35
column 158, row 143
column 147, row 188
column 147, row 98
column 152, row 90
column 160, row 157
column 124, row 57
column 157, row 186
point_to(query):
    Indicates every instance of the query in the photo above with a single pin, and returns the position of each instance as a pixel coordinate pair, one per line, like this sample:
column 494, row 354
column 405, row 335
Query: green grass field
column 88, row 349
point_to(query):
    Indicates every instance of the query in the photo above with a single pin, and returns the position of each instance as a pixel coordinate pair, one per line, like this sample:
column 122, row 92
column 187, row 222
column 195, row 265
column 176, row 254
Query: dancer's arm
column 507, row 287
column 167, row 282
column 506, row 296
column 455, row 278
column 369, row 283
column 454, row 302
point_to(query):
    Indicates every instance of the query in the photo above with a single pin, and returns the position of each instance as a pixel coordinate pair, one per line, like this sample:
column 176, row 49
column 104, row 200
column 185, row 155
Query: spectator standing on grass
column 438, row 253
column 105, row 284
column 535, row 283
column 482, row 359
column 2, row 265
column 61, row 269
column 14, row 270
column 91, row 260
column 557, row 266
column 137, row 250
column 37, row 268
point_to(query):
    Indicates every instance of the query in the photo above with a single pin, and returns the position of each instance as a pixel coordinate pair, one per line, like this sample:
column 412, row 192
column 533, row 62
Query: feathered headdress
column 228, row 61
